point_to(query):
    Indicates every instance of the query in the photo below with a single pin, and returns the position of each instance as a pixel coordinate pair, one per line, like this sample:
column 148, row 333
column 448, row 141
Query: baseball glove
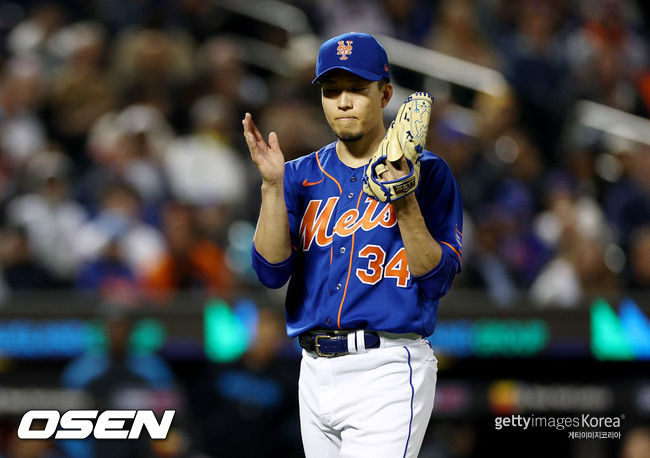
column 406, row 136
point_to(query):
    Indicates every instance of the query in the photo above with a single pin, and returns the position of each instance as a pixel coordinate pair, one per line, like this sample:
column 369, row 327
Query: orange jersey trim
column 328, row 175
column 347, row 281
column 460, row 259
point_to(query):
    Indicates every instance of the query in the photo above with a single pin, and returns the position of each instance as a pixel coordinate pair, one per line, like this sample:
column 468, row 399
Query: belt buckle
column 317, row 346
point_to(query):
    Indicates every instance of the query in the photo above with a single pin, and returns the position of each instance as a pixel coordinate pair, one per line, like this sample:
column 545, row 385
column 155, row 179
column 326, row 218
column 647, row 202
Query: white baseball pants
column 373, row 404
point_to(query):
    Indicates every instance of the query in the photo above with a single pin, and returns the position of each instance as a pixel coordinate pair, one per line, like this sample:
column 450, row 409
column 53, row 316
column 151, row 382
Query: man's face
column 353, row 106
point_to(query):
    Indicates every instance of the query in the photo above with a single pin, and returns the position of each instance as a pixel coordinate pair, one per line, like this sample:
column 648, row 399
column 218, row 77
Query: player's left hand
column 395, row 170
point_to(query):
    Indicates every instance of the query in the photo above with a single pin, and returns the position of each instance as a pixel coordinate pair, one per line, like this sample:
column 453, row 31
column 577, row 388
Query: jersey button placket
column 339, row 267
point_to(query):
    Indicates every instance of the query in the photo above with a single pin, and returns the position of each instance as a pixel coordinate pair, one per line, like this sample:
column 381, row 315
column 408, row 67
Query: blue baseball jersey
column 348, row 264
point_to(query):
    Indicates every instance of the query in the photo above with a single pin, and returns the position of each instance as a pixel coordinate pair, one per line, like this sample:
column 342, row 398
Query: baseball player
column 369, row 231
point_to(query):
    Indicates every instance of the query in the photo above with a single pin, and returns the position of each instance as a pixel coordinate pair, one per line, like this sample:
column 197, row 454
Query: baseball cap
column 357, row 53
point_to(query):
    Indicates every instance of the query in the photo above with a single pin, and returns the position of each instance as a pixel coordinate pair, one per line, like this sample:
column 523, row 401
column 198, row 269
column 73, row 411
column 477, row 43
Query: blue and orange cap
column 357, row 53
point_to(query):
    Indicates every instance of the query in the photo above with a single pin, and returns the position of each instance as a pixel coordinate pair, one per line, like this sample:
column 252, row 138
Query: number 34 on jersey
column 313, row 229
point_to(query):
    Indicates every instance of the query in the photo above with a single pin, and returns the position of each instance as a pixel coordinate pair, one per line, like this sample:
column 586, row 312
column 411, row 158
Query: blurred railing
column 443, row 67
column 612, row 121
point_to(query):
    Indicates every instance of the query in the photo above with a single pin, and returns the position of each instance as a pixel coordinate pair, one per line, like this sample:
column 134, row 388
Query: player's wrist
column 406, row 204
column 272, row 186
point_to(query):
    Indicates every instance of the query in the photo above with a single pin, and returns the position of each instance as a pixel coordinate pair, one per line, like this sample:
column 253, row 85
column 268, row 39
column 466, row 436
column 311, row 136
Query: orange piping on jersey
column 345, row 290
column 460, row 259
column 331, row 253
column 330, row 176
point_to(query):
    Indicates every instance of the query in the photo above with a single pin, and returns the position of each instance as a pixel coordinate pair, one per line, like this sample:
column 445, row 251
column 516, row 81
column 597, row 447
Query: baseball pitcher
column 368, row 232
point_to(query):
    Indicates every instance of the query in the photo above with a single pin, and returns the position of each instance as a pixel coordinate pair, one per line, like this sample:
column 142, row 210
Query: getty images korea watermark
column 584, row 426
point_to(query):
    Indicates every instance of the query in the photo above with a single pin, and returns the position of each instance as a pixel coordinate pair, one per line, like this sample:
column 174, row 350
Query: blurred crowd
column 123, row 170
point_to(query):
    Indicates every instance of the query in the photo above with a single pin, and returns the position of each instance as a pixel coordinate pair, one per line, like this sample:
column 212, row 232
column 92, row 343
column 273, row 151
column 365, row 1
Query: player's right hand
column 267, row 157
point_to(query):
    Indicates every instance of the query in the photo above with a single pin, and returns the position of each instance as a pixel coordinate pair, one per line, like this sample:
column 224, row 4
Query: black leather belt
column 334, row 343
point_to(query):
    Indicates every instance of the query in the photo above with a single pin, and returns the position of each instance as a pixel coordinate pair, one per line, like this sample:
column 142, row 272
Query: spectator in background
column 581, row 166
column 485, row 268
column 22, row 133
column 145, row 135
column 455, row 141
column 109, row 276
column 565, row 210
column 294, row 121
column 119, row 221
column 536, row 66
column 128, row 146
column 497, row 114
column 152, row 66
column 192, row 262
column 576, row 273
column 117, row 355
column 8, row 181
column 204, row 168
column 500, row 184
column 198, row 17
column 223, row 73
column 639, row 259
column 457, row 33
column 605, row 82
column 486, row 152
column 523, row 161
column 410, row 19
column 52, row 219
column 627, row 202
column 4, row 290
column 341, row 16
column 81, row 91
column 574, row 227
column 519, row 246
column 118, row 376
column 19, row 268
column 255, row 393
column 35, row 34
column 558, row 284
column 121, row 15
column 297, row 85
column 607, row 56
column 77, row 75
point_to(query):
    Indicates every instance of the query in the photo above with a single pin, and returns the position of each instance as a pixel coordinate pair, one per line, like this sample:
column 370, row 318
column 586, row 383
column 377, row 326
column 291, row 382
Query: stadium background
column 128, row 203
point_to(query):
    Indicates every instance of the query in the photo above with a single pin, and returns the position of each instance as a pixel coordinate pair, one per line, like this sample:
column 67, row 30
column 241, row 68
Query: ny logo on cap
column 344, row 50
